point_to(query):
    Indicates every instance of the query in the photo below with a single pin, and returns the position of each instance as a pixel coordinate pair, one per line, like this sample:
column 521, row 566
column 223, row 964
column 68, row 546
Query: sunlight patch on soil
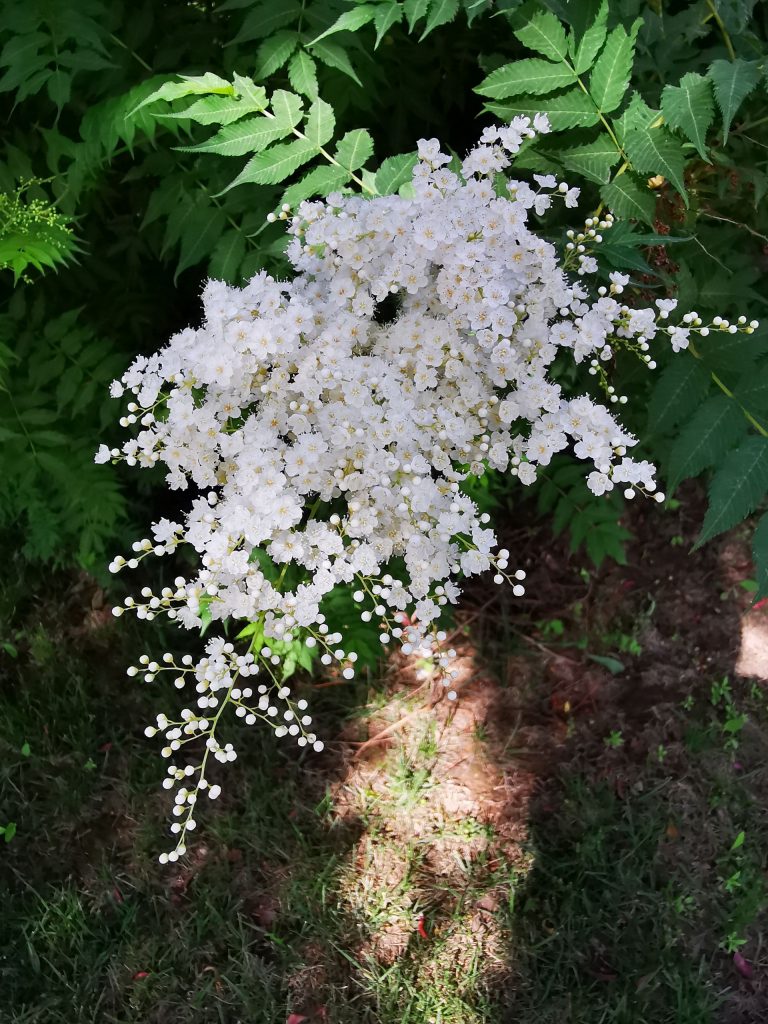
column 752, row 661
column 445, row 808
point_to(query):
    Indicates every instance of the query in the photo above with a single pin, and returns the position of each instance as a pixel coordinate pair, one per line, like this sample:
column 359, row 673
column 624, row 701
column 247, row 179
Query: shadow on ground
column 580, row 838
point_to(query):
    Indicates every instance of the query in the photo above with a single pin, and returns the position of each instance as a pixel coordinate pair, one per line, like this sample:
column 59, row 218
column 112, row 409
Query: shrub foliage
column 147, row 144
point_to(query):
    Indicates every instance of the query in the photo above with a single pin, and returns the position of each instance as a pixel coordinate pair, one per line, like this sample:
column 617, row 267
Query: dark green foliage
column 595, row 526
column 164, row 135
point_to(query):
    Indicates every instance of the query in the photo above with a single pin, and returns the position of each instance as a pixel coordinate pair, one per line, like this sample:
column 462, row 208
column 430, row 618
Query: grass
column 353, row 893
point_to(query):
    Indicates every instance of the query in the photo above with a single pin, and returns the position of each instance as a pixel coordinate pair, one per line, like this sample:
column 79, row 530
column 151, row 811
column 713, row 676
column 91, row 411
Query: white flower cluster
column 327, row 424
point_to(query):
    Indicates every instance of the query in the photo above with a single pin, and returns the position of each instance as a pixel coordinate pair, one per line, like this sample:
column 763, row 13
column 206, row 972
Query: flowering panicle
column 327, row 423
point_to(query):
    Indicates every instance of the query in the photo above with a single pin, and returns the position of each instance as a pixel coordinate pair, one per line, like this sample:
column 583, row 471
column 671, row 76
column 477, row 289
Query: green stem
column 723, row 30
column 133, row 53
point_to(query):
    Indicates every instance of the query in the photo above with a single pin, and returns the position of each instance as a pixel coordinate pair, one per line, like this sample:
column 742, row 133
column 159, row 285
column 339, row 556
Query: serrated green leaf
column 266, row 18
column 249, row 92
column 733, row 81
column 275, row 52
column 737, row 489
column 588, row 46
column 636, row 115
column 334, row 56
column 387, row 15
column 656, row 151
column 320, row 123
column 248, row 136
column 678, row 392
column 689, row 108
column 354, row 149
column 227, row 256
column 319, row 182
column 349, row 21
column 531, row 75
column 629, row 198
column 545, row 34
column 760, row 557
column 189, row 85
column 440, row 13
column 593, row 160
column 610, row 75
column 221, row 110
column 287, row 106
column 394, row 172
column 532, row 159
column 38, row 417
column 275, row 164
column 21, row 47
column 200, row 234
column 59, row 87
column 571, row 109
column 716, row 427
column 302, row 74
column 415, row 10
column 751, row 392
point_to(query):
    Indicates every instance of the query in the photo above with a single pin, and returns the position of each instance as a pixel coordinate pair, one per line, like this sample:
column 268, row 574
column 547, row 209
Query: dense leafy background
column 146, row 144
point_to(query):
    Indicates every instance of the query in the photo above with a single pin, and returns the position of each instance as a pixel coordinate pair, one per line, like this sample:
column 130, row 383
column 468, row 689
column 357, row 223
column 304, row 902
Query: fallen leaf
column 140, row 975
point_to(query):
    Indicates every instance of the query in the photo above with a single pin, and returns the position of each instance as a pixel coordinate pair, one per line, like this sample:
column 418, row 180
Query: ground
column 580, row 838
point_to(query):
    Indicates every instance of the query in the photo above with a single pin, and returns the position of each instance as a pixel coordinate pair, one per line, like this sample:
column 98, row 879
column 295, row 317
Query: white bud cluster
column 328, row 422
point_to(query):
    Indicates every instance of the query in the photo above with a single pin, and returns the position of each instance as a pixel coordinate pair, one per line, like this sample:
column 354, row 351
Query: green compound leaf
column 532, row 75
column 350, row 21
column 760, row 557
column 545, row 34
column 201, row 231
column 321, row 122
column 266, row 18
column 415, row 10
column 588, row 47
column 751, row 391
column 302, row 74
column 737, row 489
column 189, row 85
column 387, row 15
column 689, row 108
column 217, row 110
column 733, row 81
column 609, row 79
column 287, row 106
column 637, row 115
column 275, row 164
column 678, row 392
column 334, row 56
column 440, row 13
column 656, row 151
column 394, row 172
column 275, row 52
column 319, row 181
column 593, row 160
column 630, row 198
column 571, row 109
column 249, row 136
column 227, row 256
column 354, row 149
column 716, row 427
